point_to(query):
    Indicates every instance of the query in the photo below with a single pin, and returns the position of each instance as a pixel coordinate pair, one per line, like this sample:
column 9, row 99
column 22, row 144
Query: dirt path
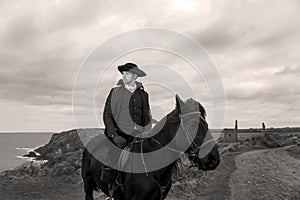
column 266, row 174
column 215, row 184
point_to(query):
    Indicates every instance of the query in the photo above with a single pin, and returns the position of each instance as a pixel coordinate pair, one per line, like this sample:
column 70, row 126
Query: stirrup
column 109, row 198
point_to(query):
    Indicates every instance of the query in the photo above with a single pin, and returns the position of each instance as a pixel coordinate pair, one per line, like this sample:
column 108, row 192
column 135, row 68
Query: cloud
column 254, row 44
column 293, row 70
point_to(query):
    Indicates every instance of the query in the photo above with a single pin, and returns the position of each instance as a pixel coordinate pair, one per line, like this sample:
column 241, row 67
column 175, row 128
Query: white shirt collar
column 130, row 88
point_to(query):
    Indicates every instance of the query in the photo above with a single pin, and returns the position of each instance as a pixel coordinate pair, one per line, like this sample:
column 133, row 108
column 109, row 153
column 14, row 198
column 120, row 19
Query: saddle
column 126, row 153
column 111, row 176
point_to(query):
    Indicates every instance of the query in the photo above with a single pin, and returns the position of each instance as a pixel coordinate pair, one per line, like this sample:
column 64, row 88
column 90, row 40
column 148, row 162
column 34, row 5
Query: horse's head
column 203, row 150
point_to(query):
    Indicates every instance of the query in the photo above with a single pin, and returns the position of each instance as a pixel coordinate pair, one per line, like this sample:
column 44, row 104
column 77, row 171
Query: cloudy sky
column 254, row 44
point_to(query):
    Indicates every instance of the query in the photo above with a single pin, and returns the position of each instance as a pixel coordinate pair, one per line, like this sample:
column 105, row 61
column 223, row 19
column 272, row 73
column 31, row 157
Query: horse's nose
column 213, row 162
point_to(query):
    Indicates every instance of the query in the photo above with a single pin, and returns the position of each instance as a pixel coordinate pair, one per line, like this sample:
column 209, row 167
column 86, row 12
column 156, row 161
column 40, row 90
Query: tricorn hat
column 131, row 67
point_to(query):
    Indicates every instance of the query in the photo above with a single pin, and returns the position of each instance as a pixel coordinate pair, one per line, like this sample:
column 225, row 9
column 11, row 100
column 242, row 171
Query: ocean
column 14, row 145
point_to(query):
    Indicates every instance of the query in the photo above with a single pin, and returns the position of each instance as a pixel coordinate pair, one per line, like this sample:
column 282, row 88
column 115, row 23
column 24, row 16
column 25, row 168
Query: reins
column 162, row 188
column 188, row 136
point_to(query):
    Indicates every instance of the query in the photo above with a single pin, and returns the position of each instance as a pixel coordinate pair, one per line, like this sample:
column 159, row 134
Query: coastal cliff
column 60, row 156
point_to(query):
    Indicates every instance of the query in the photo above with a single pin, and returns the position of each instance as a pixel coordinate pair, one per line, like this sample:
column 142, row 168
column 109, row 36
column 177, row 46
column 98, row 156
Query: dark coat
column 139, row 109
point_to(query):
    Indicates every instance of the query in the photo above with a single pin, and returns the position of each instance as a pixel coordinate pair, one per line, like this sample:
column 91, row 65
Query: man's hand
column 139, row 128
column 120, row 141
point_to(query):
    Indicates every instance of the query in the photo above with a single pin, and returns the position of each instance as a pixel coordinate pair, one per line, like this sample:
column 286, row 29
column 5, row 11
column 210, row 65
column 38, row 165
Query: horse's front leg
column 89, row 196
column 88, row 188
column 118, row 194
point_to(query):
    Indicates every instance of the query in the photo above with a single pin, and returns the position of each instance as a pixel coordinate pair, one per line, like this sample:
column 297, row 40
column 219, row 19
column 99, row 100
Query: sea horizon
column 14, row 145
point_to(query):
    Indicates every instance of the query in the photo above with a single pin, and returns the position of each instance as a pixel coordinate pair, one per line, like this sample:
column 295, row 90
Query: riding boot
column 108, row 174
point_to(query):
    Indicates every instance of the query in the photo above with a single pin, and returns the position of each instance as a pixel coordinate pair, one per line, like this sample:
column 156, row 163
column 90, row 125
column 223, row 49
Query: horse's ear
column 179, row 103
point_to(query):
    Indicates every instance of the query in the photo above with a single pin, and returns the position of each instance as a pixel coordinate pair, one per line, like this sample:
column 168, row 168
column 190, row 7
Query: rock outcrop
column 62, row 155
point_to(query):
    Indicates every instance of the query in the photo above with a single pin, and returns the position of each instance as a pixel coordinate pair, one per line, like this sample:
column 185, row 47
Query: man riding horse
column 126, row 113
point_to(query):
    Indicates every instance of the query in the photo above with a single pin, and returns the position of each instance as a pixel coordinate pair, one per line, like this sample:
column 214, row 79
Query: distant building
column 230, row 135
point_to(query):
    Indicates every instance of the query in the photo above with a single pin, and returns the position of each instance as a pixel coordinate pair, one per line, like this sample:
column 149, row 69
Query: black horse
column 175, row 131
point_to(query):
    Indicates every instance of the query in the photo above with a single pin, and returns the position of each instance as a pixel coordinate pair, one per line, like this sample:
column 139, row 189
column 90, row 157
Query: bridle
column 194, row 152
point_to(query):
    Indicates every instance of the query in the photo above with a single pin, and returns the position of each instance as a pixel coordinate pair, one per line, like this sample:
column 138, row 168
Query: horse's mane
column 172, row 117
column 189, row 106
